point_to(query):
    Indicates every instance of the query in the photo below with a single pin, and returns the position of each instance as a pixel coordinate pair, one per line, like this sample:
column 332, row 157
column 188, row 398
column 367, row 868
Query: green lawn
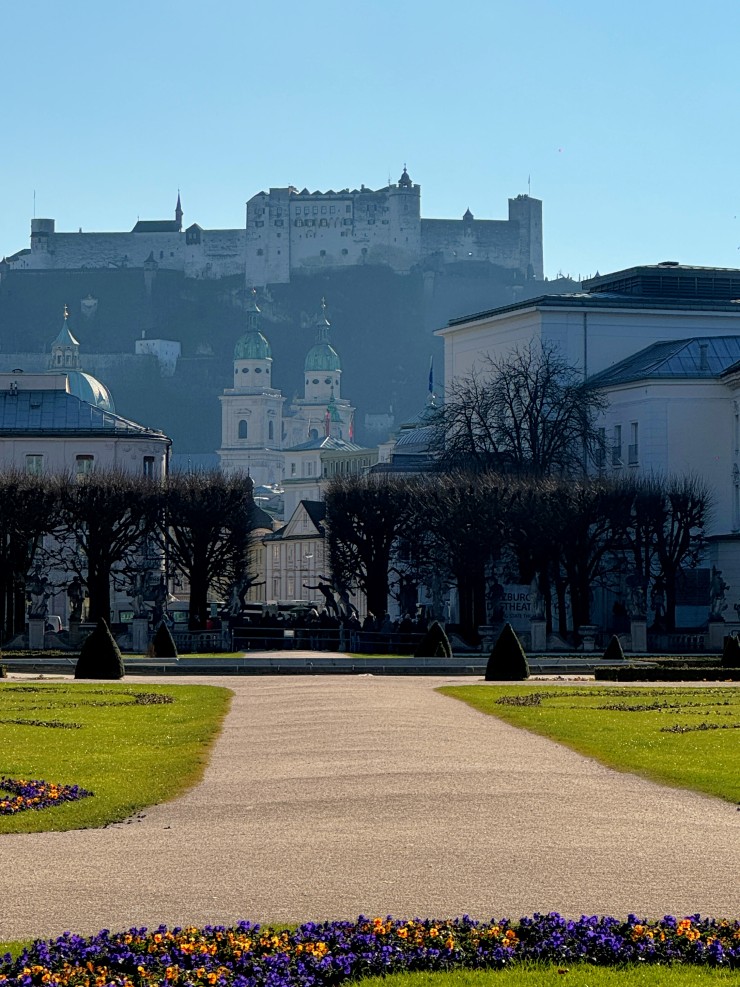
column 131, row 745
column 575, row 975
column 685, row 737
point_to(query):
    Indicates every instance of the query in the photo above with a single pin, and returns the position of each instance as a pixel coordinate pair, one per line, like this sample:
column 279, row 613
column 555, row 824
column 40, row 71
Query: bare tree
column 365, row 516
column 102, row 521
column 528, row 412
column 461, row 521
column 28, row 510
column 205, row 529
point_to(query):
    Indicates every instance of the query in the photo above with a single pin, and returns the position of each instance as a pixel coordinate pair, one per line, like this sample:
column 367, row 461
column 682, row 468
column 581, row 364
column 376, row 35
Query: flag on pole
column 327, row 423
column 352, row 427
column 431, row 375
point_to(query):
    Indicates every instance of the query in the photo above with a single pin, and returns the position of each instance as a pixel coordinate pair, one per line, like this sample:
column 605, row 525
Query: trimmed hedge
column 614, row 650
column 100, row 657
column 434, row 644
column 163, row 644
column 508, row 662
column 646, row 673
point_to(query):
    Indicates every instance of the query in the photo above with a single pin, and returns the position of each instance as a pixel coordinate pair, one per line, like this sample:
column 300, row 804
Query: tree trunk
column 377, row 592
column 198, row 599
column 670, row 601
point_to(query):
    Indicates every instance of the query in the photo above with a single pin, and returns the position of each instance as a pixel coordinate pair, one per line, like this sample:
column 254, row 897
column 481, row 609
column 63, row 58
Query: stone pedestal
column 140, row 635
column 716, row 636
column 588, row 633
column 36, row 628
column 538, row 633
column 638, row 634
column 488, row 634
column 75, row 637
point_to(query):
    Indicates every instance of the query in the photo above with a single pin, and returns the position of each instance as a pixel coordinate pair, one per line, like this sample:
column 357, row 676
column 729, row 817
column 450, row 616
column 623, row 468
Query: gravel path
column 331, row 796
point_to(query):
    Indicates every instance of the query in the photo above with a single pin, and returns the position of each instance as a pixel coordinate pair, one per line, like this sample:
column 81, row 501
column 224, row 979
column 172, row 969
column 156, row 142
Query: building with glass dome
column 65, row 420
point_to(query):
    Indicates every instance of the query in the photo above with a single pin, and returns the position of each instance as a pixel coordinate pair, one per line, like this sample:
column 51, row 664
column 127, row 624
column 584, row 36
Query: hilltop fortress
column 290, row 233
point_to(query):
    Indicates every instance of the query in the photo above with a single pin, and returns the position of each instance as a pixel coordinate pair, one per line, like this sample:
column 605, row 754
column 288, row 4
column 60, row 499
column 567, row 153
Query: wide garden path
column 329, row 797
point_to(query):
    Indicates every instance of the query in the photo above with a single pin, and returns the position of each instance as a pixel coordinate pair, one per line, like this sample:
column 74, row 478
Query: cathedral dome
column 252, row 346
column 322, row 357
column 88, row 388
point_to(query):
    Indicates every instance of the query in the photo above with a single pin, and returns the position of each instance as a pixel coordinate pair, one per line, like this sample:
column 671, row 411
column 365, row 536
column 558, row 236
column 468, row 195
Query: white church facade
column 258, row 430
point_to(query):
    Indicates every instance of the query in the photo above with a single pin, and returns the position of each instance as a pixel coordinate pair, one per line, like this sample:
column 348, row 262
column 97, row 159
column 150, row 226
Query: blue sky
column 624, row 115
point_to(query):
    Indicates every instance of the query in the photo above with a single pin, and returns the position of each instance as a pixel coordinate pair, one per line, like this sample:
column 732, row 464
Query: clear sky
column 623, row 115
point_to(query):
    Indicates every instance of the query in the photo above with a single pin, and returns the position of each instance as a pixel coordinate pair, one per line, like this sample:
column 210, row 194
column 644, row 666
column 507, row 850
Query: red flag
column 352, row 427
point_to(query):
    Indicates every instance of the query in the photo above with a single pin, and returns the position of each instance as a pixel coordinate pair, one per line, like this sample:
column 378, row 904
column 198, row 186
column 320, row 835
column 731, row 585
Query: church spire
column 178, row 212
column 65, row 350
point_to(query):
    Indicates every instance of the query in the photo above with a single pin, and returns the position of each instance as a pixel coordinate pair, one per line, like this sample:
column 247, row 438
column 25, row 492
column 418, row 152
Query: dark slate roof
column 603, row 299
column 670, row 280
column 699, row 358
column 316, row 510
column 55, row 412
column 260, row 519
column 156, row 226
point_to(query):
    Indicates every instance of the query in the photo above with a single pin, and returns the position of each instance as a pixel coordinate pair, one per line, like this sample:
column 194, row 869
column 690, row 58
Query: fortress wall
column 91, row 250
column 219, row 254
column 493, row 240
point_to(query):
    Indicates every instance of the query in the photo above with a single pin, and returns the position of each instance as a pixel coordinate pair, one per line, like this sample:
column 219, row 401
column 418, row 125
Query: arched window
column 270, row 431
column 243, row 429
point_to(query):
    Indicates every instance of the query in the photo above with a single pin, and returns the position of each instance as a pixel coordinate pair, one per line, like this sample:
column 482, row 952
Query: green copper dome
column 252, row 346
column 322, row 357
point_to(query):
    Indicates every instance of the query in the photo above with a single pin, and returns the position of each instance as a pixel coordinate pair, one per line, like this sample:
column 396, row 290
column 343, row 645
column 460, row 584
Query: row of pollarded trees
column 99, row 528
column 569, row 534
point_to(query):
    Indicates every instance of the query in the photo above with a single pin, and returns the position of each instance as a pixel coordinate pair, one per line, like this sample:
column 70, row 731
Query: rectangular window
column 34, row 464
column 292, row 469
column 601, row 448
column 84, row 465
column 276, row 555
column 149, row 466
column 617, row 446
column 632, row 451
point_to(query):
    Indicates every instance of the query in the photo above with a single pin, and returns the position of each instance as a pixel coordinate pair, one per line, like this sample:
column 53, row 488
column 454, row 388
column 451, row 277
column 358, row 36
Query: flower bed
column 324, row 955
column 35, row 794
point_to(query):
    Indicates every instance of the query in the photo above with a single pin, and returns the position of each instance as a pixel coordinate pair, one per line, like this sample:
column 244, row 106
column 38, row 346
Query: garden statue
column 536, row 600
column 159, row 597
column 75, row 595
column 657, row 601
column 137, row 594
column 494, row 600
column 38, row 593
column 325, row 588
column 238, row 593
column 636, row 604
column 717, row 602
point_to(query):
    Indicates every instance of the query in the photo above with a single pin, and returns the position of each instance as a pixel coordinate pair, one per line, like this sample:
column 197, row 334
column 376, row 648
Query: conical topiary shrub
column 433, row 641
column 163, row 644
column 731, row 651
column 507, row 662
column 614, row 650
column 99, row 656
